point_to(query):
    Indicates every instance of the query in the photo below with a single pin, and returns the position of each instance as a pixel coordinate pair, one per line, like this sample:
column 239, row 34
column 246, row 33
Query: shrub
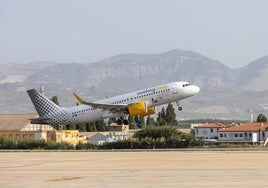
column 82, row 146
column 157, row 132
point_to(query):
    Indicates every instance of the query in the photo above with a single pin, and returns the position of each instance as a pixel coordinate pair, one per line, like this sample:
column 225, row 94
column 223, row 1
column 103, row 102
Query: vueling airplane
column 137, row 103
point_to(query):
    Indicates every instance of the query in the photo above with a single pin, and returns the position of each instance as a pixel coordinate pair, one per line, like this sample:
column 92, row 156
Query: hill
column 254, row 75
column 225, row 92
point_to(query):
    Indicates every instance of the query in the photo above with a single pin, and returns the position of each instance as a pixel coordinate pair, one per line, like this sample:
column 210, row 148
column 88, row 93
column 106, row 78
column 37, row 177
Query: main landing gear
column 120, row 121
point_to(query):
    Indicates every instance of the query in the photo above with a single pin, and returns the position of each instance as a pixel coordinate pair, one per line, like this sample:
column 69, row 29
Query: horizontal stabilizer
column 40, row 120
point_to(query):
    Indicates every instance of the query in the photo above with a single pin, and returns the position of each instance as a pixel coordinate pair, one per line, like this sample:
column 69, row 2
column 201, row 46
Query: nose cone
column 193, row 90
column 196, row 89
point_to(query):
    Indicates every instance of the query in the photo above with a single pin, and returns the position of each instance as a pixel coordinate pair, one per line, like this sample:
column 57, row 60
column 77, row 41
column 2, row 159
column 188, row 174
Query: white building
column 250, row 132
column 209, row 130
column 103, row 137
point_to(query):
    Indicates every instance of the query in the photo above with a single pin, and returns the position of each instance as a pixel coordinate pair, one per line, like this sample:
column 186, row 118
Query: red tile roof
column 213, row 125
column 251, row 127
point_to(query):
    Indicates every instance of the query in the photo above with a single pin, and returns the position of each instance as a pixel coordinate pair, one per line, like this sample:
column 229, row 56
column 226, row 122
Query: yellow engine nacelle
column 140, row 109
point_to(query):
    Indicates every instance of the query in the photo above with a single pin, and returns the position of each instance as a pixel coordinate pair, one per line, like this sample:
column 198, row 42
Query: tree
column 82, row 127
column 142, row 121
column 101, row 125
column 137, row 121
column 261, row 118
column 131, row 122
column 71, row 126
column 92, row 127
column 150, row 121
column 170, row 115
column 87, row 127
column 55, row 100
column 166, row 132
column 160, row 120
column 111, row 120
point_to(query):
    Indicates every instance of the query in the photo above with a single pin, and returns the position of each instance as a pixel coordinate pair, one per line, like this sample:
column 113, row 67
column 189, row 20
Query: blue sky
column 233, row 32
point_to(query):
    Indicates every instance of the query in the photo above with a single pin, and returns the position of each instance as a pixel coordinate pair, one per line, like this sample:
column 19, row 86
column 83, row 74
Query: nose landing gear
column 179, row 107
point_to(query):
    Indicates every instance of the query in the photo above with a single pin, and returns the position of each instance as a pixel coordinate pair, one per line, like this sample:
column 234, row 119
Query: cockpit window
column 185, row 85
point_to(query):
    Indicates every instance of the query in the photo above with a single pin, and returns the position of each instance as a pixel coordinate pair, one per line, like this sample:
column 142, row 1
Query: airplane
column 137, row 103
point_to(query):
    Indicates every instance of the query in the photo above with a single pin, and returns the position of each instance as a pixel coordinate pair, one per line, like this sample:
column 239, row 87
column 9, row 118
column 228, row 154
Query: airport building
column 115, row 133
column 118, row 128
column 247, row 133
column 250, row 132
column 209, row 130
column 18, row 126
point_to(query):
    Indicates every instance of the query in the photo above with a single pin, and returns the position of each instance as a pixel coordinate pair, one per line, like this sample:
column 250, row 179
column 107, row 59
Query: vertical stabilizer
column 42, row 104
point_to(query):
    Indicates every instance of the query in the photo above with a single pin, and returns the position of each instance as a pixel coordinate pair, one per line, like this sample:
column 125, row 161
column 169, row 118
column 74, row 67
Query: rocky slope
column 224, row 91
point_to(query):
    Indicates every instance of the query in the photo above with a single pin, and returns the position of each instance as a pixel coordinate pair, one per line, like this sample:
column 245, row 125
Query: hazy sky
column 234, row 32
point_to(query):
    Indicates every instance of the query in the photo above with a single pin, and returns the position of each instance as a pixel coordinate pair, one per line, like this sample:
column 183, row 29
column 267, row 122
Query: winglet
column 79, row 99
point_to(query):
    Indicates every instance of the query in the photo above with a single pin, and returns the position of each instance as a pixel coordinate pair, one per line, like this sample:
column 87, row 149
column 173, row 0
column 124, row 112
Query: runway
column 134, row 169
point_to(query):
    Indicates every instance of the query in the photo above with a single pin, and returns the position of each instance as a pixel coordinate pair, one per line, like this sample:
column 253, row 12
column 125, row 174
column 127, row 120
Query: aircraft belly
column 85, row 117
column 94, row 115
column 107, row 114
column 166, row 98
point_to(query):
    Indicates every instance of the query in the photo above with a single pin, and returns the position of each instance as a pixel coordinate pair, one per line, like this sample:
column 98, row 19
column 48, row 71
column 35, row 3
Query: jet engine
column 140, row 109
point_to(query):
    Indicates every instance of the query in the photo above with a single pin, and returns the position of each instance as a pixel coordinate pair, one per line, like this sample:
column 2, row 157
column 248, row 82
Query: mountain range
column 225, row 92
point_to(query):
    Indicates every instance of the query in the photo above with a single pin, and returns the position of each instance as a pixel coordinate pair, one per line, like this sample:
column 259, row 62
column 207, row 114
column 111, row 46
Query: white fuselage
column 154, row 96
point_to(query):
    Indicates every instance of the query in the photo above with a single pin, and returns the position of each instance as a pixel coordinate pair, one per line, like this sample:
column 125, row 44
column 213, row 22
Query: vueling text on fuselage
column 152, row 90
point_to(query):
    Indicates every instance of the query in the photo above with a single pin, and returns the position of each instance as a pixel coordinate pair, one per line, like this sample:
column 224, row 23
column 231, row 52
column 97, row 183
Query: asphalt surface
column 134, row 169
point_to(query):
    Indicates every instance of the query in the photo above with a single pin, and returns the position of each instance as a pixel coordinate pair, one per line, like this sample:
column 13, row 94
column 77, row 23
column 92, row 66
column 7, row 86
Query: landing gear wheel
column 119, row 121
column 125, row 122
column 178, row 104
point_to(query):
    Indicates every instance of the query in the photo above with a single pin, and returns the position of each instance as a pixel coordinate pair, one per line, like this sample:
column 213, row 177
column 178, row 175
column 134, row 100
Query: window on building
column 240, row 135
column 211, row 130
column 221, row 135
column 249, row 134
column 24, row 135
column 10, row 136
column 225, row 135
column 236, row 135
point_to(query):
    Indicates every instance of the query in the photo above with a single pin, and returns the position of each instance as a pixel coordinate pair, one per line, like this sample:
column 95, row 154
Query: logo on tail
column 48, row 111
column 41, row 103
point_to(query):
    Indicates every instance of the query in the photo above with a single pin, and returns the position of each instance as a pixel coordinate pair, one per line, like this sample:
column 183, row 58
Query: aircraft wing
column 114, row 108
